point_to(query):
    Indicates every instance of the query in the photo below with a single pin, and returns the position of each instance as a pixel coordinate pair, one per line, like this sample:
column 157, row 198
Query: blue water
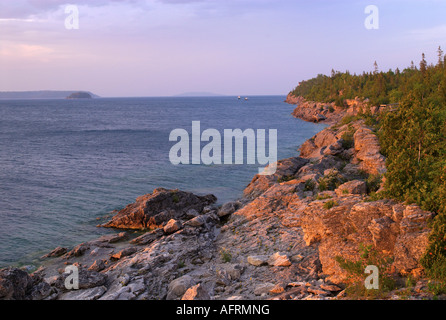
column 64, row 164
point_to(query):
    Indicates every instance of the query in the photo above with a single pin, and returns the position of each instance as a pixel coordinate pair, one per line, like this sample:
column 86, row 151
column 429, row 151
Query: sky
column 140, row 48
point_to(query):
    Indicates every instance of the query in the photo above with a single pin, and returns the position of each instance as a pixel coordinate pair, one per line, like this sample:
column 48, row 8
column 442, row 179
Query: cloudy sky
column 232, row 47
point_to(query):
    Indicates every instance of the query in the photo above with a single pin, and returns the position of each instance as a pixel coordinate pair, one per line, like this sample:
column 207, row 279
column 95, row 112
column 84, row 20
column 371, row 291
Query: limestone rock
column 14, row 284
column 87, row 279
column 319, row 117
column 263, row 289
column 340, row 230
column 153, row 209
column 85, row 294
column 41, row 290
column 330, row 287
column 98, row 265
column 123, row 253
column 277, row 289
column 314, row 111
column 113, row 238
column 148, row 237
column 325, row 138
column 368, row 151
column 178, row 287
column 286, row 168
column 192, row 213
column 279, row 260
column 78, row 251
column 352, row 187
column 57, row 252
column 257, row 261
column 196, row 222
column 196, row 293
column 172, row 226
column 227, row 209
column 334, row 148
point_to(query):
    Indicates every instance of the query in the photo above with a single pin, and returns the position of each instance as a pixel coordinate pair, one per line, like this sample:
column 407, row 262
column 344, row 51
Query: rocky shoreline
column 281, row 240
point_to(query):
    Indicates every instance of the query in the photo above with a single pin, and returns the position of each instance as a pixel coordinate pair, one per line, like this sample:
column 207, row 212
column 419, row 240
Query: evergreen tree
column 440, row 57
column 423, row 64
column 375, row 68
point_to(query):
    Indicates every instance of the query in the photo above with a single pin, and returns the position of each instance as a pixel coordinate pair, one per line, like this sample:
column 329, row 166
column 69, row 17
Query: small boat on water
column 238, row 97
column 246, row 98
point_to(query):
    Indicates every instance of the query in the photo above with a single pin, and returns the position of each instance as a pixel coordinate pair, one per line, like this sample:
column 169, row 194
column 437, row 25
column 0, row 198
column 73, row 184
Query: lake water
column 64, row 164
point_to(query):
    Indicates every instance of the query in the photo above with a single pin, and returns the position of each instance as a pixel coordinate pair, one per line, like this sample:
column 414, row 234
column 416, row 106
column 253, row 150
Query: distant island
column 80, row 95
column 42, row 94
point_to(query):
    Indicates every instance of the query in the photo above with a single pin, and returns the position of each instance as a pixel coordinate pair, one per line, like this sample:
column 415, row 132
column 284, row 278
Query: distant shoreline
column 40, row 95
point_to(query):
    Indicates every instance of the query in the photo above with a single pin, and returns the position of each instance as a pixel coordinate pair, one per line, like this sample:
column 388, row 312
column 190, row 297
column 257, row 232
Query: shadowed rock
column 153, row 210
column 14, row 284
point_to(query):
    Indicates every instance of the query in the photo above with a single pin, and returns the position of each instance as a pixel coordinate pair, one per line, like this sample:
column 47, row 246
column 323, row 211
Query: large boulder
column 228, row 209
column 172, row 226
column 14, row 284
column 178, row 287
column 153, row 210
column 352, row 187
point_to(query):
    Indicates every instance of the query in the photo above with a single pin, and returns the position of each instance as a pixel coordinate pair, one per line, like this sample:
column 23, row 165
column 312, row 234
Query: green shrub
column 373, row 182
column 339, row 102
column 368, row 256
column 309, row 185
column 285, row 178
column 348, row 119
column 226, row 256
column 330, row 204
column 323, row 197
column 330, row 181
column 347, row 139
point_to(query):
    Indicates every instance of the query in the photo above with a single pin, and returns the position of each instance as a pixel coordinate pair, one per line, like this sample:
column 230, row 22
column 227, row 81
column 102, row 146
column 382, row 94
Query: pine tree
column 423, row 64
column 440, row 57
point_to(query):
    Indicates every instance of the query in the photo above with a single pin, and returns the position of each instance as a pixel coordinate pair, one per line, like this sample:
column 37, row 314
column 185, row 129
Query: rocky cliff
column 330, row 113
column 282, row 240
